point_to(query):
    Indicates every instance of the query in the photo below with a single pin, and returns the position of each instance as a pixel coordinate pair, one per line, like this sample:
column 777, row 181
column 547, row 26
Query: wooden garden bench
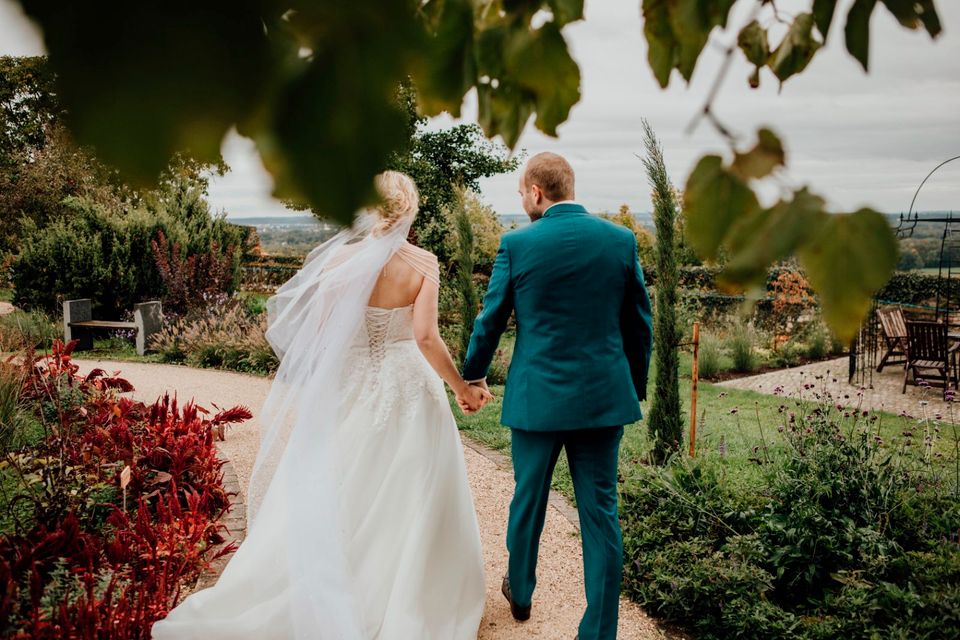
column 78, row 323
column 894, row 335
column 930, row 355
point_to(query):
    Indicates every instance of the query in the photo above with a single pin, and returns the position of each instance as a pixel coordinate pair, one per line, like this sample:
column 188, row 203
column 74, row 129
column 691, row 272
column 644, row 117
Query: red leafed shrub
column 99, row 552
column 196, row 280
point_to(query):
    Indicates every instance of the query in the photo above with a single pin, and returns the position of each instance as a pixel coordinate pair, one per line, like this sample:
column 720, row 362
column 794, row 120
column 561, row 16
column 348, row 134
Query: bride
column 360, row 520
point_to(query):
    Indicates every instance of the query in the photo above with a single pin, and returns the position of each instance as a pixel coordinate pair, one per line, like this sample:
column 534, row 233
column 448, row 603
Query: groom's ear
column 537, row 193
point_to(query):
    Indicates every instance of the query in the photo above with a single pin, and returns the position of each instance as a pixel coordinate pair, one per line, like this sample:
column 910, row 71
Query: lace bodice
column 382, row 327
column 386, row 368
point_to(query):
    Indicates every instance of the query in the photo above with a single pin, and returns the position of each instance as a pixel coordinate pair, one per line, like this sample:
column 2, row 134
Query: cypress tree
column 665, row 419
column 464, row 258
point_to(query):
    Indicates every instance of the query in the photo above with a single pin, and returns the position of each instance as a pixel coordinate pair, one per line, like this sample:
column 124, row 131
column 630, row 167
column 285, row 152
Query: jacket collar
column 564, row 208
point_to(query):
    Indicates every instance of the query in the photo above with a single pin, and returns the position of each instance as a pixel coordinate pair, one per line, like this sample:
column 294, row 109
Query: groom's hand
column 473, row 397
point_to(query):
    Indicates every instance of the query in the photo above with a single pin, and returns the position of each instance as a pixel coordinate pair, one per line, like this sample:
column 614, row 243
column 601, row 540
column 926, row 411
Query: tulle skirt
column 407, row 518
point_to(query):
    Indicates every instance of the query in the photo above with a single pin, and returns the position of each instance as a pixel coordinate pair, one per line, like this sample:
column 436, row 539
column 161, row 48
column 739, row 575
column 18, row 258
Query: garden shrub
column 741, row 343
column 220, row 336
column 710, row 357
column 27, row 330
column 16, row 423
column 106, row 255
column 819, row 345
column 840, row 535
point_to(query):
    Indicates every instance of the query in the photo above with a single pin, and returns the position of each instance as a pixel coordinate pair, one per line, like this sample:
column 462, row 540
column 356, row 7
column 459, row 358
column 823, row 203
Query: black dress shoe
column 519, row 613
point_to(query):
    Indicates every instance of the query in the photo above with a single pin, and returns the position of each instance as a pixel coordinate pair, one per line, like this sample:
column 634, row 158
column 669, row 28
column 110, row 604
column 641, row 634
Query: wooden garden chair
column 930, row 355
column 894, row 335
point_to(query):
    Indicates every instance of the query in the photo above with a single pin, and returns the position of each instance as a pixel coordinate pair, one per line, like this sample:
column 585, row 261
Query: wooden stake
column 694, row 377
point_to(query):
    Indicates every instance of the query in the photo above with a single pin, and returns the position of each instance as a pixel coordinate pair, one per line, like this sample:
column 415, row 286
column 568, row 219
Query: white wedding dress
column 366, row 529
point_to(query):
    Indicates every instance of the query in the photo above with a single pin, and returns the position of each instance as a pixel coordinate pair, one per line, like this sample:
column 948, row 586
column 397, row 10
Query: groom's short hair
column 553, row 174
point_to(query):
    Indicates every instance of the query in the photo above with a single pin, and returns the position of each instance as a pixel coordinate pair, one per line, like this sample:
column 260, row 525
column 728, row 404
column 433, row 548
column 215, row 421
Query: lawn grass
column 6, row 295
column 744, row 421
column 110, row 348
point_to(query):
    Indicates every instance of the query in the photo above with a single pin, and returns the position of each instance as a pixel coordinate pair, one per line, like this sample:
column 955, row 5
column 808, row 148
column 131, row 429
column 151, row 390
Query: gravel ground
column 884, row 393
column 559, row 600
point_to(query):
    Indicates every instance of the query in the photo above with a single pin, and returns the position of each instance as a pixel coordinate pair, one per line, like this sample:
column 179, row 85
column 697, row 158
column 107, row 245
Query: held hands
column 472, row 397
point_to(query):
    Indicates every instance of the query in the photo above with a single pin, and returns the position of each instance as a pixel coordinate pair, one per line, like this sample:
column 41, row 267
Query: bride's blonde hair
column 399, row 199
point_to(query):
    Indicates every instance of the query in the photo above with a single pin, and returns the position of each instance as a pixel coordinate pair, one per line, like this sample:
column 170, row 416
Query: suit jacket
column 584, row 330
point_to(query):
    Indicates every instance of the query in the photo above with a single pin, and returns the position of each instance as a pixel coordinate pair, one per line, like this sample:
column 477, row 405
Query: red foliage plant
column 195, row 280
column 70, row 576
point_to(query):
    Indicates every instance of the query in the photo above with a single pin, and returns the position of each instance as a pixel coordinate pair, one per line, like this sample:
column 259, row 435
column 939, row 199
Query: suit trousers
column 592, row 456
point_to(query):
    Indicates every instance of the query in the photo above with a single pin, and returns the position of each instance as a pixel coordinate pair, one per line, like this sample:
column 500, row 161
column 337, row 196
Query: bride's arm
column 427, row 333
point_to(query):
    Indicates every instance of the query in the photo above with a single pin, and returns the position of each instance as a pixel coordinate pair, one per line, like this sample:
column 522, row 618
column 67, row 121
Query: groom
column 578, row 373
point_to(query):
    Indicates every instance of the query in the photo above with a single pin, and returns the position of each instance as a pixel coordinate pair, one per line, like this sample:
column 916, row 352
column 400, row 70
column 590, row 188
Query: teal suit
column 579, row 370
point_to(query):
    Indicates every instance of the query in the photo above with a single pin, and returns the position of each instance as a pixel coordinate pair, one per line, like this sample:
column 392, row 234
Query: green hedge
column 913, row 287
column 106, row 255
column 702, row 299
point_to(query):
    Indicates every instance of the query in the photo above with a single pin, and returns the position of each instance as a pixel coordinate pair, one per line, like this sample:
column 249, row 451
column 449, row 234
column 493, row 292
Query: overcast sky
column 858, row 139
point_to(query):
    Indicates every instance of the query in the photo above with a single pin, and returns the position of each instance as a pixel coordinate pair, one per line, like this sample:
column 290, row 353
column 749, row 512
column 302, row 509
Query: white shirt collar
column 557, row 204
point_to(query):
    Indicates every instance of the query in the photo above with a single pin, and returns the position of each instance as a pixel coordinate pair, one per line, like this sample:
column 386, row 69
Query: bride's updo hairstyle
column 400, row 200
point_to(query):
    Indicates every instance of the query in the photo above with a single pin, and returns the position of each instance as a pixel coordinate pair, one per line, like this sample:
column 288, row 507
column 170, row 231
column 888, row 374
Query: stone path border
column 235, row 524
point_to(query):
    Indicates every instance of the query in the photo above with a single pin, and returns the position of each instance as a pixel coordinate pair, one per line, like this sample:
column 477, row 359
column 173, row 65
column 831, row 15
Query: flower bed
column 110, row 510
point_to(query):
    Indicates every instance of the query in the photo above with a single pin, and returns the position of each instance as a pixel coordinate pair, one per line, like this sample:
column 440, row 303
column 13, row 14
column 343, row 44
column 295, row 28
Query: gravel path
column 559, row 601
column 885, row 394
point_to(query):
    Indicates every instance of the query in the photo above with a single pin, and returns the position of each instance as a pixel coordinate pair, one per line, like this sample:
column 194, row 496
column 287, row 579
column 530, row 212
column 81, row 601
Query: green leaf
column 662, row 46
column 929, row 17
column 771, row 235
column 691, row 29
column 912, row 14
column 857, row 31
column 823, row 11
column 337, row 149
column 448, row 71
column 752, row 40
column 142, row 80
column 336, row 119
column 676, row 32
column 760, row 161
column 796, row 50
column 566, row 11
column 540, row 63
column 489, row 52
column 714, row 199
column 848, row 259
column 692, row 21
column 503, row 111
